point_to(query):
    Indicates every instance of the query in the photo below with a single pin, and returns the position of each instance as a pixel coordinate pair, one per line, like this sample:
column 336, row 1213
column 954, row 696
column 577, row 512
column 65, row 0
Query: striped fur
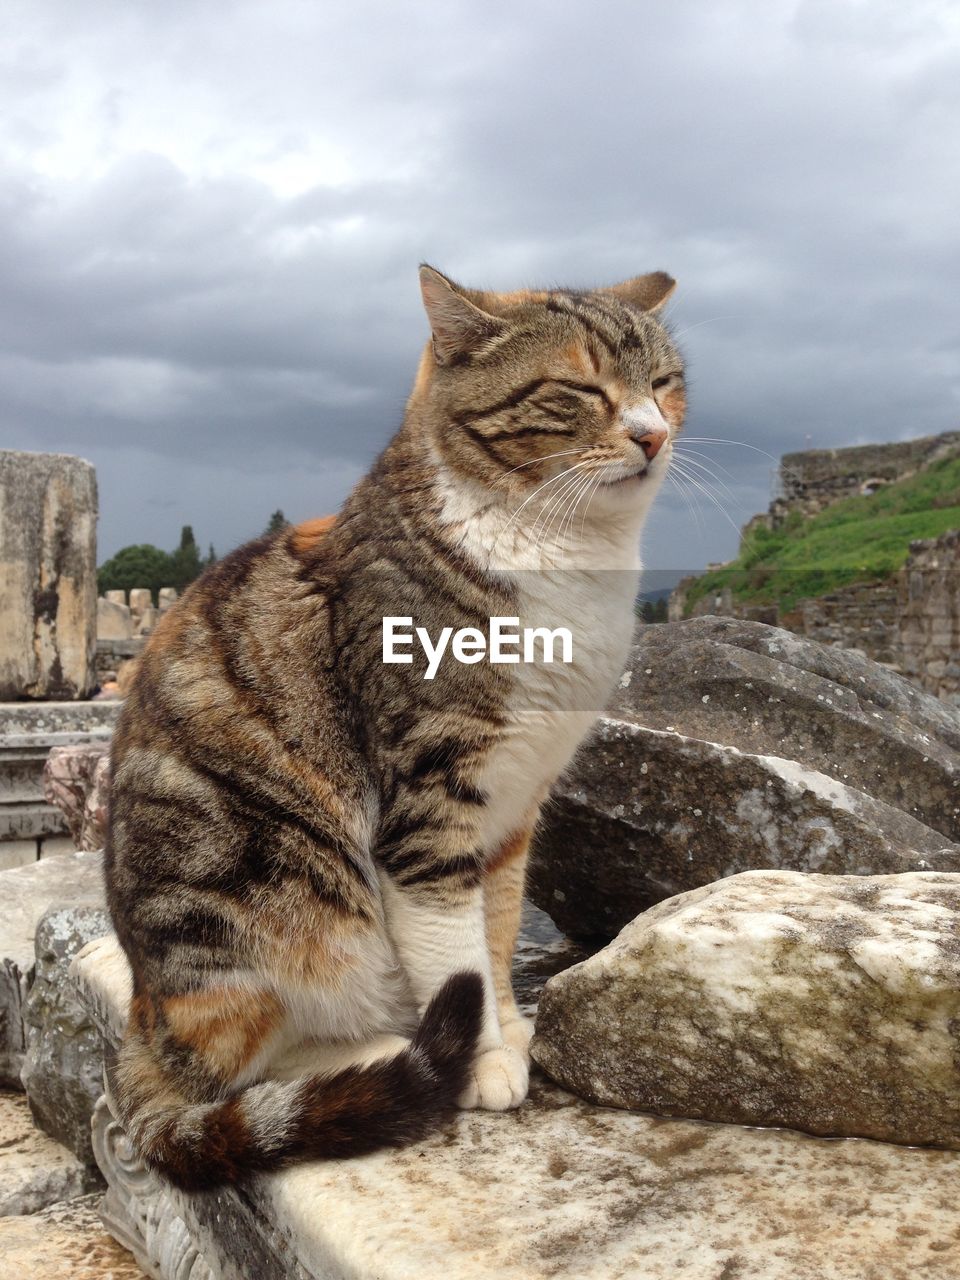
column 318, row 858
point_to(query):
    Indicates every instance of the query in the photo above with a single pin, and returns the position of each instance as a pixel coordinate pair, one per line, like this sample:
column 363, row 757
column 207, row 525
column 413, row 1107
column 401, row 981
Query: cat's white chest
column 552, row 706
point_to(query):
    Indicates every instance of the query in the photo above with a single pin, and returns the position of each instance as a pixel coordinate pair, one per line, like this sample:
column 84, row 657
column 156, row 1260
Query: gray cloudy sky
column 211, row 212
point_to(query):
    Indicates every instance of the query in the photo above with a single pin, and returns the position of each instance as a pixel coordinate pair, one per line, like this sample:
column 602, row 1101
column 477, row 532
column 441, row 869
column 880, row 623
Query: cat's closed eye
column 663, row 380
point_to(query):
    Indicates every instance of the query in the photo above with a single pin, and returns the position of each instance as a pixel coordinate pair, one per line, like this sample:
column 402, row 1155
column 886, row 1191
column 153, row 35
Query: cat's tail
column 388, row 1103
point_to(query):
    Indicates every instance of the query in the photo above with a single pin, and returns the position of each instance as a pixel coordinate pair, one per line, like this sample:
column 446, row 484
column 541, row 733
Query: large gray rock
column 26, row 893
column 730, row 746
column 48, row 575
column 63, row 1067
column 823, row 1003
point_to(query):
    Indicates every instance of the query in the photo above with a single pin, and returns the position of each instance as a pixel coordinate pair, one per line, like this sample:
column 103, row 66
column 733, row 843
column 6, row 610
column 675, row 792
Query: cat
column 316, row 860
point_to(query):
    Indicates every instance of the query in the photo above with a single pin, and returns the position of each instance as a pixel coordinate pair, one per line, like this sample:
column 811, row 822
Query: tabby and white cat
column 316, row 860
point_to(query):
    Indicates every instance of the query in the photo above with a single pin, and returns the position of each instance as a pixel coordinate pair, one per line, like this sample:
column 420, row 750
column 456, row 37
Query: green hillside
column 863, row 539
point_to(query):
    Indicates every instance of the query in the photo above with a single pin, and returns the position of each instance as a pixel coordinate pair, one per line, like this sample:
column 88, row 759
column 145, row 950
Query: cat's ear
column 648, row 292
column 457, row 324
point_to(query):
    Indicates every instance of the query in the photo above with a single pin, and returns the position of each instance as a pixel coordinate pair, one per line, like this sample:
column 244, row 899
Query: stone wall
column 814, row 479
column 862, row 616
column 48, row 575
column 928, row 589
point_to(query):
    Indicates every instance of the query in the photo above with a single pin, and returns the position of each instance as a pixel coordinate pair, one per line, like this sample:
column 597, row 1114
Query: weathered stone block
column 596, row 1194
column 113, row 620
column 140, row 598
column 17, row 853
column 166, row 597
column 147, row 621
column 62, row 1071
column 35, row 1171
column 48, row 575
column 827, row 1004
column 731, row 746
column 26, row 893
column 116, row 597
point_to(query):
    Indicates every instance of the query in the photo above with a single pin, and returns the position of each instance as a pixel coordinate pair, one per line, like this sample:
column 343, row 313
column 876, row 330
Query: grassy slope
column 856, row 540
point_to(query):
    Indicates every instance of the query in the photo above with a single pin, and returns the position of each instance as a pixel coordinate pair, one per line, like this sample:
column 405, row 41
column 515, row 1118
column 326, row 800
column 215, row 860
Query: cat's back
column 231, row 717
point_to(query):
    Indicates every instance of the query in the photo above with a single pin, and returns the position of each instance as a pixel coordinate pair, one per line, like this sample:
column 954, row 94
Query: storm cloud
column 211, row 216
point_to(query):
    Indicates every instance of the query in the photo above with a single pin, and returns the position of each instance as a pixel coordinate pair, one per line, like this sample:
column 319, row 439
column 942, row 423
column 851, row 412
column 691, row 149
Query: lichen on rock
column 829, row 1004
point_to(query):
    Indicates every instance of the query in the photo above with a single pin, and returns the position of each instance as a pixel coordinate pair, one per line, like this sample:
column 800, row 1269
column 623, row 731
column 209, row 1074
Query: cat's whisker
column 683, row 452
column 533, row 462
column 689, row 497
column 703, row 469
column 566, row 522
column 743, row 445
column 710, row 320
column 512, row 519
column 698, row 484
column 546, row 520
column 598, row 480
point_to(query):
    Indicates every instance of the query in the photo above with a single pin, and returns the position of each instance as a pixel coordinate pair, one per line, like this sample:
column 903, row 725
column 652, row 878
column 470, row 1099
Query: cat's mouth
column 631, row 477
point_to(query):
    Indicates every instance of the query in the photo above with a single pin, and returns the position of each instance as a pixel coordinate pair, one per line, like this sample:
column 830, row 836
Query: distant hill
column 865, row 538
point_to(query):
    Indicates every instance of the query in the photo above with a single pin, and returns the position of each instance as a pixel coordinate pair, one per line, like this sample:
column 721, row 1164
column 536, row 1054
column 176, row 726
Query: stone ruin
column 48, row 583
column 910, row 623
column 772, row 826
column 123, row 624
column 812, row 480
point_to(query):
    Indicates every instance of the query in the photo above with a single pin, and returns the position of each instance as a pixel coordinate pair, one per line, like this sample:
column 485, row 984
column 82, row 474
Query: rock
column 17, row 853
column 558, row 1188
column 113, row 620
column 66, row 1240
column 26, row 893
column 48, row 575
column 76, row 779
column 116, row 597
column 828, row 1004
column 141, row 598
column 730, row 746
column 63, row 1067
column 166, row 597
column 55, row 846
column 34, row 1170
column 146, row 621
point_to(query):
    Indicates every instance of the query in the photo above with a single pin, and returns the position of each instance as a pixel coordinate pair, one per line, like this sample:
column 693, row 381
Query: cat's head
column 517, row 389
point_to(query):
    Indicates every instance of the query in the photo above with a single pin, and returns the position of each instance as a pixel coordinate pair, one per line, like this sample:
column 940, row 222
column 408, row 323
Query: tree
column 139, row 566
column 185, row 562
column 211, row 557
column 277, row 522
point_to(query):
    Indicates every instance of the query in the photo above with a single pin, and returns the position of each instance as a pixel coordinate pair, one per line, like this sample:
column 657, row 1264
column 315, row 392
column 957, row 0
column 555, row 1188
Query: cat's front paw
column 498, row 1080
column 517, row 1032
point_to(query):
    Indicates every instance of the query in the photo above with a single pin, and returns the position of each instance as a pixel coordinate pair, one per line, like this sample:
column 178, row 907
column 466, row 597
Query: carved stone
column 139, row 1210
column 558, row 1188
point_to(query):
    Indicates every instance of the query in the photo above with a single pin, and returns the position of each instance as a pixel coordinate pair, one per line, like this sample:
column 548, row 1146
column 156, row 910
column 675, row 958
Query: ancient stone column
column 48, row 576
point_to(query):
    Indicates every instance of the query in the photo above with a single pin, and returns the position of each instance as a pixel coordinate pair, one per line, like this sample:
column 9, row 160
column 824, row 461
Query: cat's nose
column 651, row 440
column 645, row 426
